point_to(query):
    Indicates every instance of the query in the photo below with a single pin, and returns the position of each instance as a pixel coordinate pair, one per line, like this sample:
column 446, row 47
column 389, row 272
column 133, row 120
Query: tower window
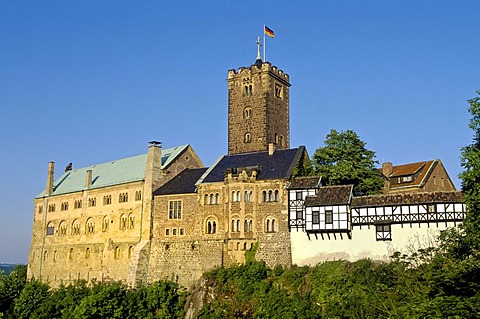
column 278, row 91
column 248, row 90
column 248, row 138
column 247, row 113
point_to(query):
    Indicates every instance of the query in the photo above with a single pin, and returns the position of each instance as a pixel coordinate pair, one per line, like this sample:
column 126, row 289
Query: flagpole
column 264, row 45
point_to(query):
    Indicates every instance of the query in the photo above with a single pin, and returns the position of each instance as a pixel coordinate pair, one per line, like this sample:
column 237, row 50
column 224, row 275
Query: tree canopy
column 344, row 159
column 470, row 160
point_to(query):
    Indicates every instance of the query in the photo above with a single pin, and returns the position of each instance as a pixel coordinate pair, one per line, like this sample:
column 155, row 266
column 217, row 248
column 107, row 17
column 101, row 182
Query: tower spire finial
column 259, row 44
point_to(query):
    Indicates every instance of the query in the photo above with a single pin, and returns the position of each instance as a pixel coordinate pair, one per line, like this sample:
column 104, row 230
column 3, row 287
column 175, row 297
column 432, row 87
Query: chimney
column 387, row 168
column 88, row 178
column 153, row 171
column 49, row 186
column 271, row 148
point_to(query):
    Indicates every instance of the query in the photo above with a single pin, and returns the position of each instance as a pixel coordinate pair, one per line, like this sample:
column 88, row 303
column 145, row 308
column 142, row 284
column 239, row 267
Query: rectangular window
column 299, row 196
column 383, row 232
column 406, row 179
column 40, row 209
column 167, row 231
column 299, row 214
column 50, row 230
column 328, row 216
column 175, row 209
column 181, row 232
column 315, row 217
column 431, row 208
column 174, row 231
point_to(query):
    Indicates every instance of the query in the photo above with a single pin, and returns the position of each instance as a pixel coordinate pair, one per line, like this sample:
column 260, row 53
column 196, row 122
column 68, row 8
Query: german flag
column 269, row 32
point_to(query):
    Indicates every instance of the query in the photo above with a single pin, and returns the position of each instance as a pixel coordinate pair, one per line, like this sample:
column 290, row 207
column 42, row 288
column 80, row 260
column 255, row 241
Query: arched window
column 117, row 252
column 64, row 206
column 270, row 196
column 265, row 198
column 211, row 226
column 90, row 226
column 87, row 253
column 50, row 229
column 245, row 225
column 131, row 221
column 62, row 228
column 123, row 222
column 76, row 227
column 281, row 140
column 105, row 223
column 217, row 198
column 275, row 195
column 234, row 196
column 45, row 256
column 55, row 255
column 244, row 246
column 247, row 113
column 270, row 225
column 233, row 225
column 130, row 252
column 250, row 226
column 70, row 254
column 238, row 224
column 276, row 138
column 248, row 138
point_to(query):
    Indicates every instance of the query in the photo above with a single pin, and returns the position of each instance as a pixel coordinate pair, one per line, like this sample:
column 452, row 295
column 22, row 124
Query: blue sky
column 92, row 81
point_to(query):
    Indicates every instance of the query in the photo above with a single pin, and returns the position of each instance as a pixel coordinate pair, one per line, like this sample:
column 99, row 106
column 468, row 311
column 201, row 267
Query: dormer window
column 405, row 179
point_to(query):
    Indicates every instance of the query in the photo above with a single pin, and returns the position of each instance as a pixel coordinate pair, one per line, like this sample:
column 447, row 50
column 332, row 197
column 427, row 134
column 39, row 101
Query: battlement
column 265, row 67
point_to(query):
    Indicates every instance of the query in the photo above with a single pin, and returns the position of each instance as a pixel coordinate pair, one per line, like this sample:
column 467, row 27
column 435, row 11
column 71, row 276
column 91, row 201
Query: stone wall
column 255, row 108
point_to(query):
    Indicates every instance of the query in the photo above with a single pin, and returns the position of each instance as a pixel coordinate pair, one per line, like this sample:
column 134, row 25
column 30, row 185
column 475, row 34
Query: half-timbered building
column 335, row 225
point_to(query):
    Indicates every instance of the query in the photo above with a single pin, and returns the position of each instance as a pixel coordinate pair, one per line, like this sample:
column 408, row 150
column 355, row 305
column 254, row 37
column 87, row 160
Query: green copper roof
column 115, row 172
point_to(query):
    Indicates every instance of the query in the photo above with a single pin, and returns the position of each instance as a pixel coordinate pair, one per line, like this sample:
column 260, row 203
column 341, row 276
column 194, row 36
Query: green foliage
column 10, row 287
column 345, row 160
column 161, row 299
column 29, row 303
column 303, row 167
column 470, row 161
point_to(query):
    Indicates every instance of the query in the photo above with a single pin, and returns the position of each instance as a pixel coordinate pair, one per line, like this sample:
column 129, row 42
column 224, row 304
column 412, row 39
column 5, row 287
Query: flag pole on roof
column 271, row 34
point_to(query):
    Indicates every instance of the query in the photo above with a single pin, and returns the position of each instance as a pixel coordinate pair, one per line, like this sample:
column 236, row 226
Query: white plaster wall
column 363, row 243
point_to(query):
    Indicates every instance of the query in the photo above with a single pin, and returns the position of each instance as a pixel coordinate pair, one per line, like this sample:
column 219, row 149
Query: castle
column 163, row 215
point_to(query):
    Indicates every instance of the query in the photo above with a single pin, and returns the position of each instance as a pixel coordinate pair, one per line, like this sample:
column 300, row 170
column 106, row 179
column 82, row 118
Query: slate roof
column 183, row 183
column 279, row 165
column 115, row 172
column 305, row 182
column 407, row 199
column 331, row 195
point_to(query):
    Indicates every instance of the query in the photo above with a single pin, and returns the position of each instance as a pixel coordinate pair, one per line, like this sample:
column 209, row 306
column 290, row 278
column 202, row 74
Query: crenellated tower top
column 258, row 108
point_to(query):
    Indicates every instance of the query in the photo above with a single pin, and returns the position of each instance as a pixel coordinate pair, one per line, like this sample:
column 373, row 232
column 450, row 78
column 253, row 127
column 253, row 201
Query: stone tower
column 258, row 108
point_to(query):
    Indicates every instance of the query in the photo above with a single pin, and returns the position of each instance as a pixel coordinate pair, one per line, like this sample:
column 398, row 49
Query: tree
column 345, row 160
column 470, row 161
